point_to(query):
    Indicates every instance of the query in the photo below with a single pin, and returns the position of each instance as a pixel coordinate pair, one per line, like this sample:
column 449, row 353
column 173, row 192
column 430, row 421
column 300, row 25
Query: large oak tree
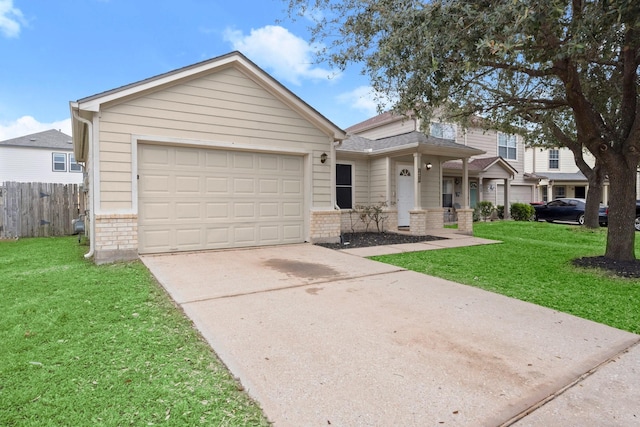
column 567, row 69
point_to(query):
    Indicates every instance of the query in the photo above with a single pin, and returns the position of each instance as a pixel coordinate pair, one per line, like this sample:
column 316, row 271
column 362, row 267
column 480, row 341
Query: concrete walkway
column 321, row 337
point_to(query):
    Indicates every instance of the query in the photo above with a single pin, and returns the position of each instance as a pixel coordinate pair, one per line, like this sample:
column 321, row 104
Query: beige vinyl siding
column 390, row 129
column 431, row 186
column 225, row 107
column 361, row 181
column 378, row 181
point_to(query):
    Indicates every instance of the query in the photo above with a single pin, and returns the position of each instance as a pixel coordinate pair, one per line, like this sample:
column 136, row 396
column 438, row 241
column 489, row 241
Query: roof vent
column 32, row 139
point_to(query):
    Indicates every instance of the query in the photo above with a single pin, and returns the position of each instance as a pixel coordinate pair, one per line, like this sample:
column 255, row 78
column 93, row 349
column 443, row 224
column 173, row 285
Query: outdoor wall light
column 323, row 157
column 428, row 165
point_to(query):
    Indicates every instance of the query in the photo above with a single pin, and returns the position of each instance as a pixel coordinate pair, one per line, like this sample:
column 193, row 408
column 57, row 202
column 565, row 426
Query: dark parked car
column 568, row 210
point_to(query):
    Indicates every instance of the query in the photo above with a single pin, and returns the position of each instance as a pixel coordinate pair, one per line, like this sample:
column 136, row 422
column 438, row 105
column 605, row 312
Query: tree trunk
column 622, row 211
column 592, row 207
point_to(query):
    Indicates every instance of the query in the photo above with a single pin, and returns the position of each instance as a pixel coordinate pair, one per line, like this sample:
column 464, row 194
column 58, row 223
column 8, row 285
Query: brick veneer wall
column 350, row 222
column 116, row 238
column 325, row 226
column 465, row 221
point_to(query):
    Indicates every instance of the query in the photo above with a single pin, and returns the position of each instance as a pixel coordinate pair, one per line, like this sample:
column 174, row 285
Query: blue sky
column 56, row 51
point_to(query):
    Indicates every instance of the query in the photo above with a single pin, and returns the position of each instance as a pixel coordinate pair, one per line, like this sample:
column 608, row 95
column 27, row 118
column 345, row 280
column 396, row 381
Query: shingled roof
column 48, row 139
column 357, row 143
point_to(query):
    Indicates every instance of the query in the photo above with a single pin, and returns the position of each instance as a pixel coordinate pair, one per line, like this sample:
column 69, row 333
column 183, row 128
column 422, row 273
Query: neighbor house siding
column 226, row 107
column 25, row 164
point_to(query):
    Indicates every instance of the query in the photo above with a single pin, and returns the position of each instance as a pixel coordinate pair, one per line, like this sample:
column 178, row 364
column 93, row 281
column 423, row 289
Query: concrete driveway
column 321, row 337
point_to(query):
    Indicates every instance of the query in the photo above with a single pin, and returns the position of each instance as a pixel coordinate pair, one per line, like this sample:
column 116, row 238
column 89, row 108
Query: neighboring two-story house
column 558, row 175
column 489, row 167
column 40, row 157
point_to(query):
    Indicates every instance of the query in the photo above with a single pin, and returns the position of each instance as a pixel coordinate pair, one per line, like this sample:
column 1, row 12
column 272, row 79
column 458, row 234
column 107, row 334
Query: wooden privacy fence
column 37, row 209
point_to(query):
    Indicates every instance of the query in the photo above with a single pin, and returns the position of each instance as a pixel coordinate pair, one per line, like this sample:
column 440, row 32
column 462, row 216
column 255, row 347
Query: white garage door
column 196, row 198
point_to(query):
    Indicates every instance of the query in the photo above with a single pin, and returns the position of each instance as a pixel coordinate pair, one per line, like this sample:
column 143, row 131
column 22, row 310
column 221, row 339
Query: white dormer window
column 443, row 130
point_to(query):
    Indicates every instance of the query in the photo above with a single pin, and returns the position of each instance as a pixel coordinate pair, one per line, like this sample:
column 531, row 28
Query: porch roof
column 414, row 139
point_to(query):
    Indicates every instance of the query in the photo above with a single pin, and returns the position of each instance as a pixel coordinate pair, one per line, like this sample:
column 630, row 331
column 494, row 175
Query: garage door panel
column 291, row 187
column 218, row 237
column 290, row 164
column 187, row 184
column 187, row 158
column 244, row 186
column 217, row 185
column 244, row 235
column 188, row 238
column 268, row 163
column 292, row 210
column 157, row 184
column 268, row 186
column 200, row 198
column 269, row 210
column 243, row 160
column 188, row 210
column 217, row 210
column 243, row 211
column 154, row 211
column 292, row 233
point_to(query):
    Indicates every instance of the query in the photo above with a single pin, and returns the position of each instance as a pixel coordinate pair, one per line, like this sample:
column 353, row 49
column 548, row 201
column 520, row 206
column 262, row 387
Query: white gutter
column 92, row 181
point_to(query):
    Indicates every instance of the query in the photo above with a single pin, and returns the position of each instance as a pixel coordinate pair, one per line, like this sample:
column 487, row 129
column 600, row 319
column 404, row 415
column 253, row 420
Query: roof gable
column 233, row 59
column 48, row 139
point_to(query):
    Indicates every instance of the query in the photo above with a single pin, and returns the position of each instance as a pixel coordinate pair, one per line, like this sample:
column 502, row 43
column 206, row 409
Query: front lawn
column 534, row 264
column 102, row 345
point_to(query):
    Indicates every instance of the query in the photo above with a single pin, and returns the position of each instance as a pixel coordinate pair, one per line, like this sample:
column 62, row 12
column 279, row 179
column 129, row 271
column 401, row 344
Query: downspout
column 92, row 206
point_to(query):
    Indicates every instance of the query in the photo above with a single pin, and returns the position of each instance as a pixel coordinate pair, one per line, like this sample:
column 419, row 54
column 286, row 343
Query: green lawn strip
column 102, row 345
column 534, row 264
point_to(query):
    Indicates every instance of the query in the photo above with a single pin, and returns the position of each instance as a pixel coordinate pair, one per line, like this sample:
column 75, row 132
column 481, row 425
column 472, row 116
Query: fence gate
column 37, row 209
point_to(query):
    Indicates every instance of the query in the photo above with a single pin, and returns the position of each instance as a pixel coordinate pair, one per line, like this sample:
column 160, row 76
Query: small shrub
column 484, row 209
column 368, row 214
column 500, row 211
column 522, row 211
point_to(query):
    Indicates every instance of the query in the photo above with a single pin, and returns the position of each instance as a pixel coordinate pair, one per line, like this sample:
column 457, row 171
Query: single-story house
column 221, row 155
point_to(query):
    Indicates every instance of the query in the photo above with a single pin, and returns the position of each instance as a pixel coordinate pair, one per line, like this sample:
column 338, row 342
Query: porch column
column 507, row 198
column 550, row 191
column 465, row 183
column 480, row 189
column 417, row 181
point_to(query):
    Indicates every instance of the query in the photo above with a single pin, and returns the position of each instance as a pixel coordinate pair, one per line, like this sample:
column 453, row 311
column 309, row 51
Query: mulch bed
column 629, row 269
column 363, row 240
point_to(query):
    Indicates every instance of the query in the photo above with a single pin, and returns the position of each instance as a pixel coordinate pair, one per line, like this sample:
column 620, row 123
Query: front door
column 473, row 194
column 405, row 184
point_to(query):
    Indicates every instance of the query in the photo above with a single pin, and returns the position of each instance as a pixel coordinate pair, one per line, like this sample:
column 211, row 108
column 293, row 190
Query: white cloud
column 27, row 125
column 11, row 19
column 365, row 99
column 289, row 57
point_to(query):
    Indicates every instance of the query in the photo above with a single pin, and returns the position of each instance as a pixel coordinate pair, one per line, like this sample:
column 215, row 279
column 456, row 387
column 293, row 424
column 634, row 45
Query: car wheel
column 637, row 223
column 581, row 219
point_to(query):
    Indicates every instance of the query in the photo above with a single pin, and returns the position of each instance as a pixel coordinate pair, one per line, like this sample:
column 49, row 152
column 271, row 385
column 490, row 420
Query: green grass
column 534, row 264
column 102, row 345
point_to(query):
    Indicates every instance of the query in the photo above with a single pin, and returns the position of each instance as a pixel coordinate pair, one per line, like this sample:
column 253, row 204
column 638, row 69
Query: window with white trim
column 554, row 159
column 59, row 162
column 443, row 130
column 73, row 165
column 344, row 185
column 507, row 146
